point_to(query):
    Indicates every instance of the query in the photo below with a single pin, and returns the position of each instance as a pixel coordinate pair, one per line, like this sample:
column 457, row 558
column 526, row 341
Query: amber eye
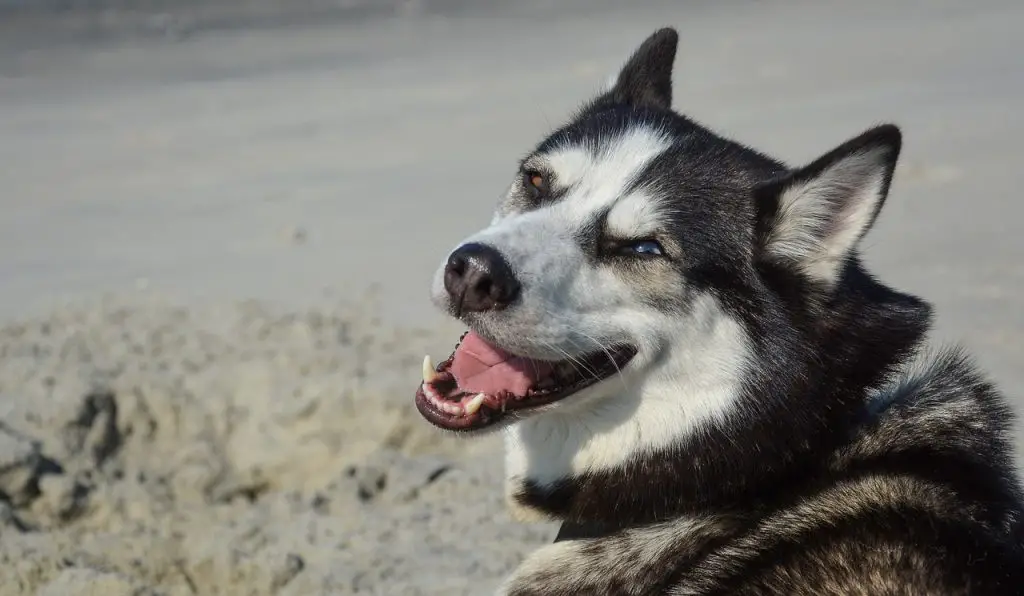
column 536, row 184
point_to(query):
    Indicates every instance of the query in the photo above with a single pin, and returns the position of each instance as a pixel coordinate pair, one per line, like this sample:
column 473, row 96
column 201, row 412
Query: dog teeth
column 546, row 383
column 449, row 407
column 429, row 374
column 474, row 404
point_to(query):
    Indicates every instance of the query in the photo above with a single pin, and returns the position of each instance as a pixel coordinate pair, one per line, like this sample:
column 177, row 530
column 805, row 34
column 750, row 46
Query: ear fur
column 646, row 78
column 812, row 218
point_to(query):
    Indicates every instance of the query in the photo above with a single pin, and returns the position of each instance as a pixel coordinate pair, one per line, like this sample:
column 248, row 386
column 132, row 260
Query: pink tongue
column 480, row 367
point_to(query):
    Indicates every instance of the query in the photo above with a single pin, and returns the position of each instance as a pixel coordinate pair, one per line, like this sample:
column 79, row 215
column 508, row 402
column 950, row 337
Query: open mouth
column 479, row 384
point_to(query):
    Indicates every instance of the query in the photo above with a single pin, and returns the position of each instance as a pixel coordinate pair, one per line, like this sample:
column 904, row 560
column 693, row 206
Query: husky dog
column 696, row 375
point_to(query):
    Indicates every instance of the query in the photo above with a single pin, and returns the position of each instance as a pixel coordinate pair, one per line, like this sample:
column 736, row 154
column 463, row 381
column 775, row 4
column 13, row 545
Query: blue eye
column 646, row 247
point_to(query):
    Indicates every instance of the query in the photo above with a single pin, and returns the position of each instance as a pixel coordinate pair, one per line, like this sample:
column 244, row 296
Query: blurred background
column 219, row 220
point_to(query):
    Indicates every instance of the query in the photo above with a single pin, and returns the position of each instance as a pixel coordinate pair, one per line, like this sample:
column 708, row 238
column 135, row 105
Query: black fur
column 646, row 80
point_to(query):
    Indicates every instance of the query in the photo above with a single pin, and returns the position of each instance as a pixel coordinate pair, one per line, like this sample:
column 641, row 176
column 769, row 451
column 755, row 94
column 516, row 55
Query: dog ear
column 813, row 217
column 646, row 79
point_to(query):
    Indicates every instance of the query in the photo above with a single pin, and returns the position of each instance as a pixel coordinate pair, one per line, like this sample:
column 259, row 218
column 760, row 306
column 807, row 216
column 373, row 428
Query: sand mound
column 153, row 449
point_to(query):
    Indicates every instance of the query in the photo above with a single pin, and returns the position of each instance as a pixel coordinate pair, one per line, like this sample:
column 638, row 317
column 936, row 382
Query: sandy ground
column 216, row 238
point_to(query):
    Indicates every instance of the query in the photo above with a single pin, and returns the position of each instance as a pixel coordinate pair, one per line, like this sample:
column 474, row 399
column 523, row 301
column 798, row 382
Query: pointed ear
column 646, row 79
column 812, row 218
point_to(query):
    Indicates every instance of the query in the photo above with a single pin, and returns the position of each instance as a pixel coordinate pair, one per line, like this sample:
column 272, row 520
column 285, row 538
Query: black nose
column 478, row 279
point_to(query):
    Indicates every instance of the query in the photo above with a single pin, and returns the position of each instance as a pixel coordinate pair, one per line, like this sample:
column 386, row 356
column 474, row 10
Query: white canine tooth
column 474, row 404
column 429, row 374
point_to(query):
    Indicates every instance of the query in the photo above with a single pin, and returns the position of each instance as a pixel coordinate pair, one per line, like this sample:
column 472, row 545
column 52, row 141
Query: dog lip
column 495, row 408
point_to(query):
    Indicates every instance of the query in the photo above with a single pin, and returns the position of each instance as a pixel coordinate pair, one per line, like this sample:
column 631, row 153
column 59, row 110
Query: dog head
column 615, row 298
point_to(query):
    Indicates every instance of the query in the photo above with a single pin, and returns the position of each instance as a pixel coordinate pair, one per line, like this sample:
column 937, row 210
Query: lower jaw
column 481, row 420
column 486, row 417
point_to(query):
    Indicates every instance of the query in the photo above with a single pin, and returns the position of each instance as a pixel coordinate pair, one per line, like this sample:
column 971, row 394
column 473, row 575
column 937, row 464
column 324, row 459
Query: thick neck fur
column 802, row 402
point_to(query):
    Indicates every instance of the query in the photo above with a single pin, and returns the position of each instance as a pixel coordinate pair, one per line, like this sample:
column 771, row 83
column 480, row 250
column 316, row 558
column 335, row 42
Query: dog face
column 614, row 287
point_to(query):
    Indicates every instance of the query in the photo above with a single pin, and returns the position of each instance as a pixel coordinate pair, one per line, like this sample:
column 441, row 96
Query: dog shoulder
column 938, row 399
column 940, row 419
column 877, row 534
column 872, row 560
column 874, row 534
column 632, row 561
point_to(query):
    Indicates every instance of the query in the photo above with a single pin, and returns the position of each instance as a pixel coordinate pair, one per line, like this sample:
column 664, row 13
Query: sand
column 153, row 449
column 218, row 224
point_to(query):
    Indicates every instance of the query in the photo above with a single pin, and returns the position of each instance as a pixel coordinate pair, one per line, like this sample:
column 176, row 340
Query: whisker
column 597, row 344
column 572, row 360
column 607, row 352
column 577, row 346
column 581, row 367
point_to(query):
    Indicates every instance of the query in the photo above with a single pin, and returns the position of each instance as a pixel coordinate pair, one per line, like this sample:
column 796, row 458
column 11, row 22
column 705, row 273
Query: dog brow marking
column 597, row 176
column 636, row 215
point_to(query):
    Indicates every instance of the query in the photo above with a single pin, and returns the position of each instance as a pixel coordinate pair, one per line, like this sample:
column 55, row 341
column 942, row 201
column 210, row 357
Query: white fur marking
column 695, row 383
column 599, row 175
column 636, row 216
column 820, row 220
